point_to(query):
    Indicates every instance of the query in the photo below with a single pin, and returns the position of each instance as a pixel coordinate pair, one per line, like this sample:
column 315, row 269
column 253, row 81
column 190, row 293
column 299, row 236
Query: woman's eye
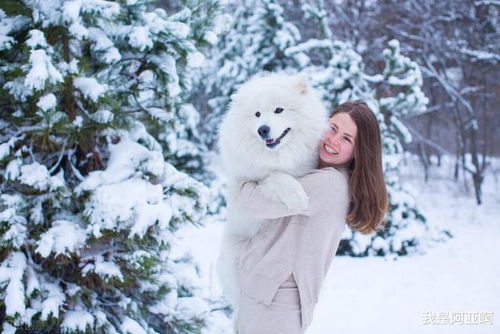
column 347, row 139
column 257, row 114
column 278, row 110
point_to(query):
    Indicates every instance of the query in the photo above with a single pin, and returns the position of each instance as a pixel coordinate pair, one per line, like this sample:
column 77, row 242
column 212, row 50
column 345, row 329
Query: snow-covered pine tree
column 96, row 137
column 256, row 42
column 335, row 68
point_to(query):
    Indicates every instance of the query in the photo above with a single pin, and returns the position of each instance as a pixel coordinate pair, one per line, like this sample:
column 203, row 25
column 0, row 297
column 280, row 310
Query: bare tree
column 457, row 45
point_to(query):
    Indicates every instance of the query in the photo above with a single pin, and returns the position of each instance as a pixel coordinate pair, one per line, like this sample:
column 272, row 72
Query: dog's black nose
column 264, row 131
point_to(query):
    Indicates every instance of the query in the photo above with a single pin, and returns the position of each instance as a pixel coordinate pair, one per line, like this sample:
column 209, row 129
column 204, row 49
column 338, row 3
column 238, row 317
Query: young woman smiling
column 282, row 268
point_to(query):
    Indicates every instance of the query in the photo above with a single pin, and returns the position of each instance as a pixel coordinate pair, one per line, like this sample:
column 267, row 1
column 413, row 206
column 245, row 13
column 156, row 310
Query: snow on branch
column 480, row 55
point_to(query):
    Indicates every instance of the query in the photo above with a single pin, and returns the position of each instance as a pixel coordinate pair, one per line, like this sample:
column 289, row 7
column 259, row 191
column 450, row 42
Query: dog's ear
column 302, row 83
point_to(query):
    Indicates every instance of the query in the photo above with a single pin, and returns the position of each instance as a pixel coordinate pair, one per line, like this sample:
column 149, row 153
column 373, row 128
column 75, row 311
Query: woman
column 281, row 269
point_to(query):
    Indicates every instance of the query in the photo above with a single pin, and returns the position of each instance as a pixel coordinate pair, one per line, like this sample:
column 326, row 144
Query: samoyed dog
column 271, row 135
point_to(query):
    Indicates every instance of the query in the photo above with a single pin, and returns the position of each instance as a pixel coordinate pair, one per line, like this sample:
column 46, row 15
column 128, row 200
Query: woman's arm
column 271, row 198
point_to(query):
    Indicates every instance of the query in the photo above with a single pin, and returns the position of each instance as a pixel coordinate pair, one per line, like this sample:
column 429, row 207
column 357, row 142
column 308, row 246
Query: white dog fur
column 245, row 155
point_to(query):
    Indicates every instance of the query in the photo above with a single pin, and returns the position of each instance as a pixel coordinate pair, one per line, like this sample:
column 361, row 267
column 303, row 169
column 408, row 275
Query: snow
column 105, row 269
column 78, row 122
column 36, row 39
column 127, row 156
column 195, row 59
column 108, row 9
column 8, row 328
column 405, row 134
column 455, row 75
column 64, row 236
column 71, row 14
column 211, row 38
column 5, row 147
column 12, row 269
column 122, row 202
column 394, row 43
column 102, row 116
column 8, row 25
column 32, row 282
column 167, row 64
column 77, row 320
column 139, row 38
column 184, row 273
column 167, row 304
column 187, row 306
column 5, row 27
column 308, row 45
column 47, row 102
column 35, row 175
column 481, row 55
column 120, row 196
column 13, row 169
column 131, row 326
column 16, row 233
column 42, row 71
column 160, row 114
column 147, row 215
column 393, row 294
column 395, row 81
column 89, row 87
column 487, row 2
column 71, row 68
column 54, row 301
column 178, row 29
column 46, row 12
column 103, row 44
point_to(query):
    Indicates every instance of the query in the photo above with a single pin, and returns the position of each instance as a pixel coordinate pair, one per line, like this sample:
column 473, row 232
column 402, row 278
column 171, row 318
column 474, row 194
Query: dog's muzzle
column 271, row 142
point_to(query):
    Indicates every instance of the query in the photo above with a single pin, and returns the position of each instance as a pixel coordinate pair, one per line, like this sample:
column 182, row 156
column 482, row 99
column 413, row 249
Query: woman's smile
column 330, row 150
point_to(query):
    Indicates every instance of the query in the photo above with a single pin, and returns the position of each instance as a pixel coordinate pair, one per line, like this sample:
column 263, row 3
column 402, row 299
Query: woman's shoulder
column 325, row 186
column 333, row 172
column 329, row 178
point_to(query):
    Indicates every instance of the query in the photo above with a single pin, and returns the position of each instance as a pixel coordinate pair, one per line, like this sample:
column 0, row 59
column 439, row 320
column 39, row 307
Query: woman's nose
column 333, row 139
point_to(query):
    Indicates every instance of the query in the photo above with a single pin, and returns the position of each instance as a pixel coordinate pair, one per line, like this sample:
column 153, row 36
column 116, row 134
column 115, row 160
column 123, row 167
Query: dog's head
column 277, row 118
column 273, row 107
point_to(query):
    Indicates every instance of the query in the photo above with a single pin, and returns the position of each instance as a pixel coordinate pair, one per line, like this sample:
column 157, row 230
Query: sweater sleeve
column 321, row 186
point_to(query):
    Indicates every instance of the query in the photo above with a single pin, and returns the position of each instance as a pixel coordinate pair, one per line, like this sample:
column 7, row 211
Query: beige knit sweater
column 302, row 244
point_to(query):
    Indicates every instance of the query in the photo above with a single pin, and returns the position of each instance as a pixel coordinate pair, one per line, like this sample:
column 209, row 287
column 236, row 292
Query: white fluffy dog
column 270, row 133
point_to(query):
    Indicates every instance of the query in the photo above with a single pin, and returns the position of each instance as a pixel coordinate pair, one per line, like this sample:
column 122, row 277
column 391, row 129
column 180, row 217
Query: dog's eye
column 278, row 110
column 257, row 114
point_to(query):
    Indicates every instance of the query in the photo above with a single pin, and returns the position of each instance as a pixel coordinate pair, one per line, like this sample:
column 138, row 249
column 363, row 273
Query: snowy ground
column 376, row 295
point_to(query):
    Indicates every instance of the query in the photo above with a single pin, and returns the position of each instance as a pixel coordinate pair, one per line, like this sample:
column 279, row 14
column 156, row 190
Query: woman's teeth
column 330, row 150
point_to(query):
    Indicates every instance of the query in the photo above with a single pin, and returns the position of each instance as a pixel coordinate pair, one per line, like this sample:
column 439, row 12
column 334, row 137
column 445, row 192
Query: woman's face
column 337, row 146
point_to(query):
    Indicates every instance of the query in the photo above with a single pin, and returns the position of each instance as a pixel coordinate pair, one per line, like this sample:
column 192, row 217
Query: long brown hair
column 369, row 201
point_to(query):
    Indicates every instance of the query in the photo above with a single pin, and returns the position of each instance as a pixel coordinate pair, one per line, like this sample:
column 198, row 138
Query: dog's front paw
column 286, row 189
column 294, row 197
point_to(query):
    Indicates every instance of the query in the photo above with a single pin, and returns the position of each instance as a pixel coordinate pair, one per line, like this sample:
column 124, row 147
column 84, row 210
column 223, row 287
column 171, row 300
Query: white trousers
column 282, row 316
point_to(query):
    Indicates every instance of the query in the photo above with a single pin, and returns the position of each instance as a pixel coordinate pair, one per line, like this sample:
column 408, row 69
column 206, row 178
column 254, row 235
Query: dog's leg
column 226, row 266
